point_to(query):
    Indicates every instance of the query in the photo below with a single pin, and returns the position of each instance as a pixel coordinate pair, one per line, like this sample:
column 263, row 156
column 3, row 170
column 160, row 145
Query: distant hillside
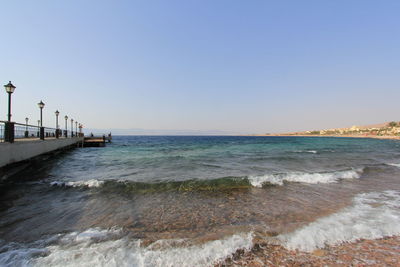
column 378, row 125
column 380, row 129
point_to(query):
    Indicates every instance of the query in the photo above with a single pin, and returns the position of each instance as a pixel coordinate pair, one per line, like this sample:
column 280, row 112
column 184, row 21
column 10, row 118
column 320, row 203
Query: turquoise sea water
column 163, row 159
column 165, row 200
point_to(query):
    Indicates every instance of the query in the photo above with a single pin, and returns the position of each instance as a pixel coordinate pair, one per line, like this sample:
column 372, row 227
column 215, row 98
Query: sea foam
column 306, row 151
column 97, row 247
column 88, row 183
column 372, row 215
column 394, row 164
column 305, row 177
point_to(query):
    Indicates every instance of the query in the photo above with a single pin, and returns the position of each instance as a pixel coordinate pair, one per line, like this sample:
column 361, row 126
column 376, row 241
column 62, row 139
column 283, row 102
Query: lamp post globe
column 10, row 88
column 41, row 104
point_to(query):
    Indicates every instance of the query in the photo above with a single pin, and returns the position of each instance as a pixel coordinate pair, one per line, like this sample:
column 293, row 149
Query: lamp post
column 9, row 126
column 26, row 128
column 57, row 113
column 76, row 128
column 9, row 89
column 72, row 127
column 41, row 106
column 66, row 126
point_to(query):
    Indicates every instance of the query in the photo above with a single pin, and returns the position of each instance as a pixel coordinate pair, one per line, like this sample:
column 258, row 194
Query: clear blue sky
column 236, row 66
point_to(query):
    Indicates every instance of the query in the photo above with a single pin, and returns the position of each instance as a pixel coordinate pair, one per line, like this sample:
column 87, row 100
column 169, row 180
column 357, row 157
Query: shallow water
column 145, row 201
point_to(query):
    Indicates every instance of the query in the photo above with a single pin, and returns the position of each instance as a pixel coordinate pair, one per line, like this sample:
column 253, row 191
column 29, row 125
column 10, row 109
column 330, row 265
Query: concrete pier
column 24, row 150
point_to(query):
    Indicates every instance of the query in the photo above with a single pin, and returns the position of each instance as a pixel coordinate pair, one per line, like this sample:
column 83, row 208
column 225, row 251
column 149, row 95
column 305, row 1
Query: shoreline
column 364, row 252
column 385, row 137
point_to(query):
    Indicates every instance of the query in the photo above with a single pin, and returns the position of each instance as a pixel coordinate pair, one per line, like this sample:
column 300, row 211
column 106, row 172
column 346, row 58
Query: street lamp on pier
column 72, row 127
column 9, row 126
column 57, row 113
column 66, row 126
column 26, row 128
column 41, row 106
column 76, row 128
column 10, row 88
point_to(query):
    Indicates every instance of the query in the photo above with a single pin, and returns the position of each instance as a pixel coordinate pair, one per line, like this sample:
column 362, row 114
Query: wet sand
column 378, row 252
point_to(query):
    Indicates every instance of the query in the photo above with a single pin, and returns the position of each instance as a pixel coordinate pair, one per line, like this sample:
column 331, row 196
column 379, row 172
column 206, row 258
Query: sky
column 223, row 65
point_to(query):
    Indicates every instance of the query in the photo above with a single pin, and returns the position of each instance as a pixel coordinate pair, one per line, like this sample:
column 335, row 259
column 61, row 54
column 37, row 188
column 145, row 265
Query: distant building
column 354, row 128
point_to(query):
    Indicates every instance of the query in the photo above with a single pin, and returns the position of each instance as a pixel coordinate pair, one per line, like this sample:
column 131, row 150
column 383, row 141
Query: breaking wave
column 394, row 164
column 372, row 215
column 306, row 151
column 219, row 184
column 97, row 247
column 88, row 183
column 226, row 183
column 305, row 177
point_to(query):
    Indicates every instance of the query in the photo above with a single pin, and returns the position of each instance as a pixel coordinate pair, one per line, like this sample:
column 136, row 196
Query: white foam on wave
column 372, row 215
column 306, row 151
column 96, row 247
column 394, row 164
column 88, row 183
column 305, row 177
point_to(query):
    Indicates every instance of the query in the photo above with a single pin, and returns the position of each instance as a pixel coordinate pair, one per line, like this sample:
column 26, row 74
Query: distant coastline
column 343, row 136
column 388, row 130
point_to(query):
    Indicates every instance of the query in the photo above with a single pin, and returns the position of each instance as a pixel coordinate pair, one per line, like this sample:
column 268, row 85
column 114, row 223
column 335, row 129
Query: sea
column 196, row 200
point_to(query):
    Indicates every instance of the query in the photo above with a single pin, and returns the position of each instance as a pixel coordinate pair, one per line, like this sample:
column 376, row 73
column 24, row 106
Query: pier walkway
column 24, row 149
column 19, row 142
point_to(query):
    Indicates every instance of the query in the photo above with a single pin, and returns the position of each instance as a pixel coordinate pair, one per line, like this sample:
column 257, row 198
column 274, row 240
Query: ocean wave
column 372, row 215
column 305, row 177
column 394, row 164
column 88, row 183
column 306, row 151
column 97, row 247
column 225, row 183
column 218, row 184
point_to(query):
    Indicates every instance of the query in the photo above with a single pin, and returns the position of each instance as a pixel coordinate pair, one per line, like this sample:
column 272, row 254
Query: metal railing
column 26, row 131
column 30, row 132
